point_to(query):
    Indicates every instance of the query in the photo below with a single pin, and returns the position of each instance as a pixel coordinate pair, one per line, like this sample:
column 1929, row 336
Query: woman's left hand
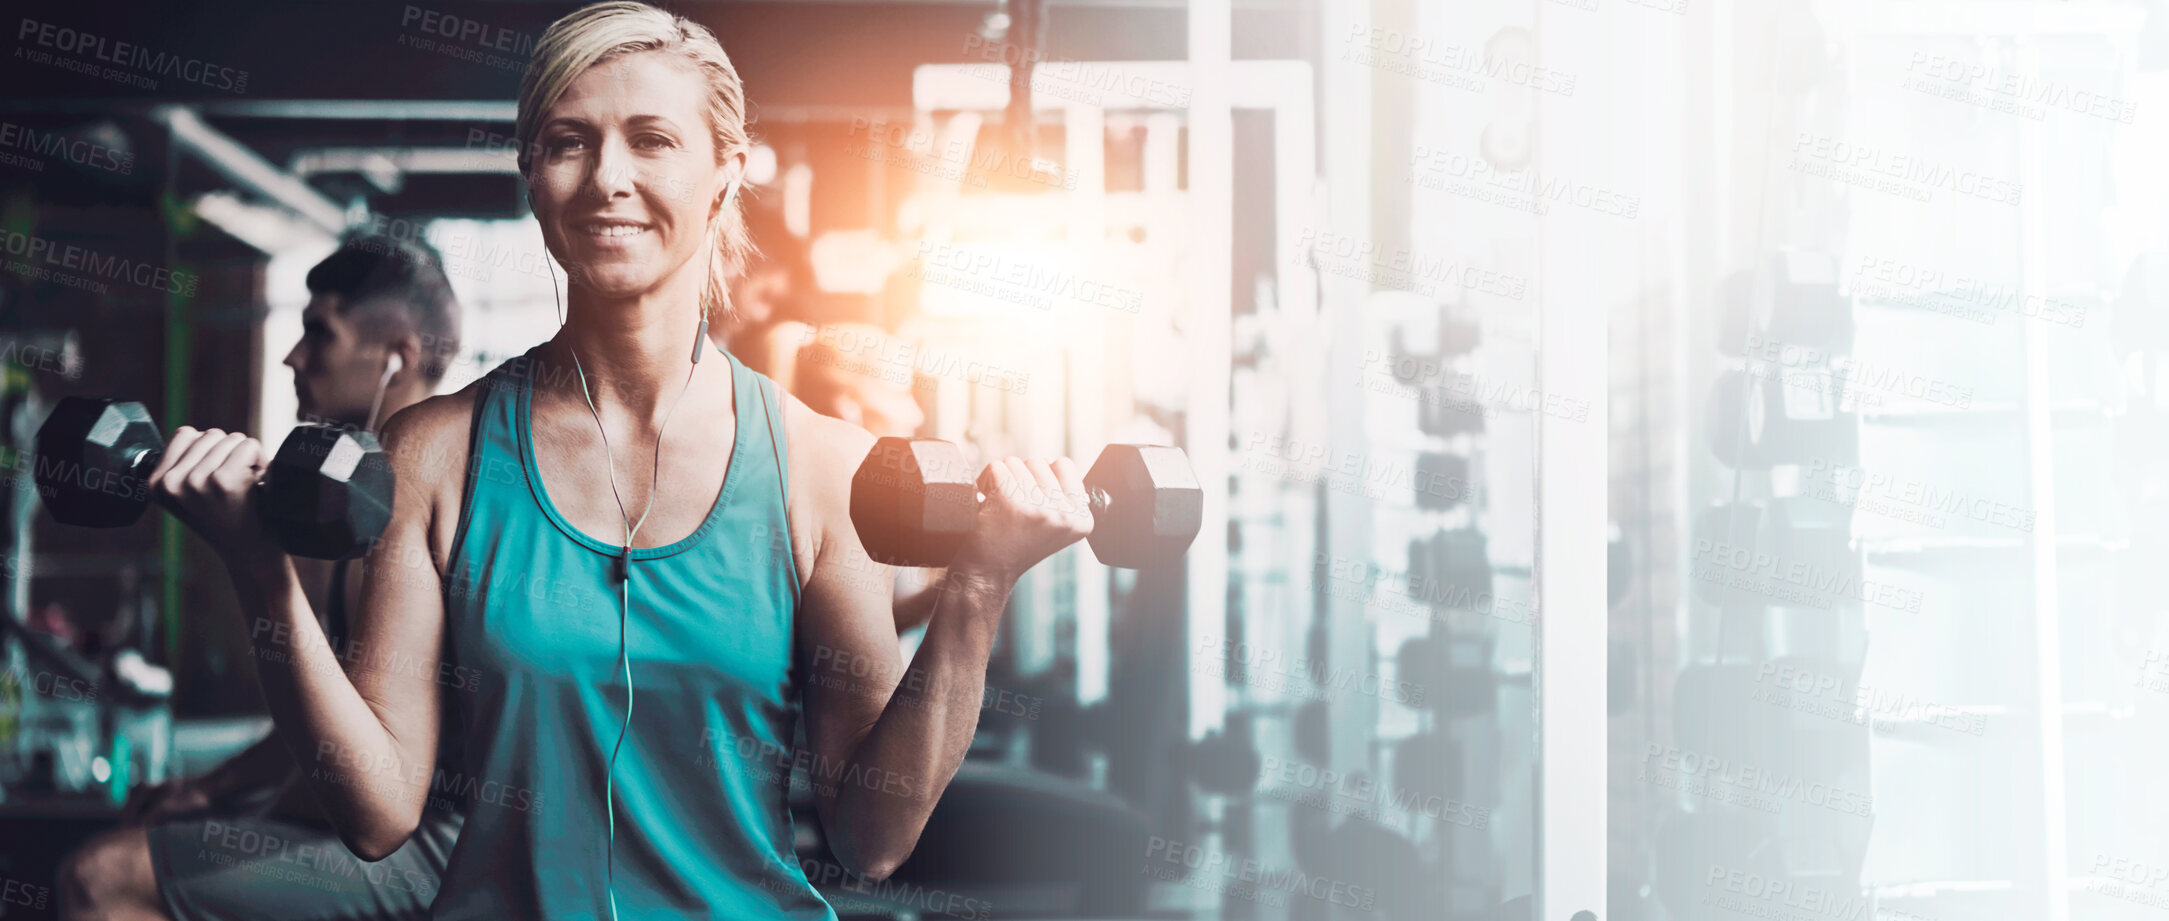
column 1032, row 509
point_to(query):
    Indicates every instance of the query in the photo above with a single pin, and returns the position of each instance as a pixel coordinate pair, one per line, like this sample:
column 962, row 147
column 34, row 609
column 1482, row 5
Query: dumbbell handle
column 141, row 463
column 1098, row 500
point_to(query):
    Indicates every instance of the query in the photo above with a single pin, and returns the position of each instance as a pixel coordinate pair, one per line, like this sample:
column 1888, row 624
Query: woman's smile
column 615, row 232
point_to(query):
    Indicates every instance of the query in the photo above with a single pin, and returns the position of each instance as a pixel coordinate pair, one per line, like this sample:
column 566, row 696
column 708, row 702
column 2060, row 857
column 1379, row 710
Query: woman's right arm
column 362, row 722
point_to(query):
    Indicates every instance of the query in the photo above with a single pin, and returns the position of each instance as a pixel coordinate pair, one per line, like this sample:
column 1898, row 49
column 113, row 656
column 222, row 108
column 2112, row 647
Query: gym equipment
column 1428, row 767
column 1459, row 333
column 1432, row 370
column 1746, row 559
column 988, row 840
column 1442, row 480
column 1453, row 671
column 1792, row 715
column 913, row 501
column 327, row 494
column 1226, row 763
column 1781, row 415
column 1370, row 859
column 1312, row 740
column 1444, row 413
column 1788, row 301
column 1714, row 717
column 1813, row 533
column 1451, row 569
column 1718, row 531
column 1066, row 733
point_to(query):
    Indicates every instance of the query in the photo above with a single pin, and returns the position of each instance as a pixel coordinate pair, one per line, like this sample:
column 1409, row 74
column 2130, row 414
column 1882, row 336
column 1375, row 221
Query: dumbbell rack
column 1284, row 477
column 1771, row 411
column 1455, row 615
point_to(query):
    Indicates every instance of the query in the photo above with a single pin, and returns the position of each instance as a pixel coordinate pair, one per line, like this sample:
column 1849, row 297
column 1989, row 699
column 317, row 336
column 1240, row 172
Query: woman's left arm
column 887, row 740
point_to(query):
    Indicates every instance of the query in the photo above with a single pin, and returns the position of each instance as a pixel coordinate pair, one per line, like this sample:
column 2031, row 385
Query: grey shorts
column 263, row 867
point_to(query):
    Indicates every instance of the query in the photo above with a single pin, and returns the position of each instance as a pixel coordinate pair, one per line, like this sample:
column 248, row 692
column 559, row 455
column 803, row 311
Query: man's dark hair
column 390, row 286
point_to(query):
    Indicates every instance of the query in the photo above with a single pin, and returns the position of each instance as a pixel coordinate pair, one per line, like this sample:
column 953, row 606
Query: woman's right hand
column 208, row 479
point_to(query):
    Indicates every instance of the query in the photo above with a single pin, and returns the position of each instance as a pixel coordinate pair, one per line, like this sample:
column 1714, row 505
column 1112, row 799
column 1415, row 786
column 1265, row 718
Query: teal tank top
column 703, row 829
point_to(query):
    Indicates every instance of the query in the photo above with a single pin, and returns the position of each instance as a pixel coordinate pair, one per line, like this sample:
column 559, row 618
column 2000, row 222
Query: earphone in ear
column 700, row 342
column 392, row 364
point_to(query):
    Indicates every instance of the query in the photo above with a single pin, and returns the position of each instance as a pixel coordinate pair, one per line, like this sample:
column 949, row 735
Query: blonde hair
column 594, row 34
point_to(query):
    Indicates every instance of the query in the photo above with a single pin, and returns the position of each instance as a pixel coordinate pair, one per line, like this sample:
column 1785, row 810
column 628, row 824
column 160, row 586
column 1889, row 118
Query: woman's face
column 625, row 177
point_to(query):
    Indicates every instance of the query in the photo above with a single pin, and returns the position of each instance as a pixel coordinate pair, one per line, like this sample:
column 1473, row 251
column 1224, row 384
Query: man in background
column 380, row 329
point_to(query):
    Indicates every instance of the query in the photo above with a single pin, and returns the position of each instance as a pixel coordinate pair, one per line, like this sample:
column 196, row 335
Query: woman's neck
column 635, row 354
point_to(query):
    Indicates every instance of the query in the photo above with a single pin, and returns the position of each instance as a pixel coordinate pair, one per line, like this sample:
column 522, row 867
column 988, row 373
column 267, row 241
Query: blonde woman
column 642, row 610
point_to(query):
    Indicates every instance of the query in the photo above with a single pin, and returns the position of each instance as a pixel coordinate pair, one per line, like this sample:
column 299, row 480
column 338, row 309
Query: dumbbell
column 1430, row 767
column 1791, row 297
column 1798, row 714
column 1442, row 479
column 913, row 501
column 1760, row 554
column 1454, row 671
column 1459, row 333
column 1451, row 569
column 327, row 495
column 1445, row 412
column 1781, row 416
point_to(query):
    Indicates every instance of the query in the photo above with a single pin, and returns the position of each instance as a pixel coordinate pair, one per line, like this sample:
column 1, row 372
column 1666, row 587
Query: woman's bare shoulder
column 825, row 453
column 428, row 440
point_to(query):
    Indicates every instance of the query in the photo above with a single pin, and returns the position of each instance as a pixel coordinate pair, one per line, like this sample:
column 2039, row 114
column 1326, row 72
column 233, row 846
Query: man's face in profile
column 335, row 372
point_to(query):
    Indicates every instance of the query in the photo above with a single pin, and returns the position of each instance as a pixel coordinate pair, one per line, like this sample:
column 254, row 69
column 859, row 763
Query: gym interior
column 1639, row 459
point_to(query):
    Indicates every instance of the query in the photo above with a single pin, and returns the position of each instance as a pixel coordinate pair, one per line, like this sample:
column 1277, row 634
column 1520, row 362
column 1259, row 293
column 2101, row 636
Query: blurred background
column 1665, row 459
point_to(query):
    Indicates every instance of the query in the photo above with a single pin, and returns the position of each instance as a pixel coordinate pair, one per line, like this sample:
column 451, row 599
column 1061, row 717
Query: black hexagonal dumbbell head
column 1429, row 766
column 1454, row 673
column 1147, row 505
column 328, row 494
column 913, row 500
column 93, row 455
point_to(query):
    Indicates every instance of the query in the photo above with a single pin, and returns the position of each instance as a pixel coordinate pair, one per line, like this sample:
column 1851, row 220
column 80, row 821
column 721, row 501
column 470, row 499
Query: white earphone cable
column 622, row 566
